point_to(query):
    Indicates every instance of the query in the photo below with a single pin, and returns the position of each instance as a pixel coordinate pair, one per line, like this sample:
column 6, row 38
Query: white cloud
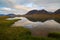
column 7, row 9
column 23, row 6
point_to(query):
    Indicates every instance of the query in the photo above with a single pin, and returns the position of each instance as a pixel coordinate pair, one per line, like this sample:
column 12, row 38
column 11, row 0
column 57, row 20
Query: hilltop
column 42, row 12
column 57, row 11
column 37, row 12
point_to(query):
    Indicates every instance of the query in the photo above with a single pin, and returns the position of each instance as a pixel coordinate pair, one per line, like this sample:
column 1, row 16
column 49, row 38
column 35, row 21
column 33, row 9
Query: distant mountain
column 32, row 12
column 43, row 11
column 51, row 12
column 2, row 14
column 37, row 12
column 57, row 11
column 11, row 15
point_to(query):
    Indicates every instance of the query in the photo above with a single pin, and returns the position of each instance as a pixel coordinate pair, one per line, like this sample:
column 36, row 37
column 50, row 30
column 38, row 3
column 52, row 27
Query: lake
column 37, row 26
column 30, row 24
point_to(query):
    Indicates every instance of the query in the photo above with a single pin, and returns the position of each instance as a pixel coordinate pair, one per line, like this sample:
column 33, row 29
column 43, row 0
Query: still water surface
column 30, row 24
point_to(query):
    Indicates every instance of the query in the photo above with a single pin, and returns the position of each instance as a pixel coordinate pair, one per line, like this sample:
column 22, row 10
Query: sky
column 23, row 6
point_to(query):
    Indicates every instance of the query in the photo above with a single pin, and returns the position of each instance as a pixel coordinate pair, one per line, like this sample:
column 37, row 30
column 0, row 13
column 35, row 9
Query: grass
column 13, row 33
column 54, row 35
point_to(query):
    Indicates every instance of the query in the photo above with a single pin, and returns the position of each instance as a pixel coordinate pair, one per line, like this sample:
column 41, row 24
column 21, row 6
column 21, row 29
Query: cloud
column 17, row 10
column 6, row 3
column 34, row 6
column 23, row 6
column 6, row 9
